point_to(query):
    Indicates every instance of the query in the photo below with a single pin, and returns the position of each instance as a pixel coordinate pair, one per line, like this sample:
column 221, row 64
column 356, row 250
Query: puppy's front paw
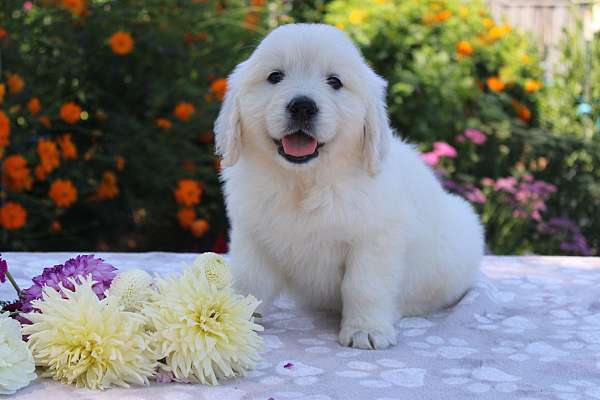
column 368, row 338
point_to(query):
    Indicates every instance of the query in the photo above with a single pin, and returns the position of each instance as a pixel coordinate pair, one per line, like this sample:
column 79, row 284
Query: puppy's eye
column 275, row 77
column 334, row 82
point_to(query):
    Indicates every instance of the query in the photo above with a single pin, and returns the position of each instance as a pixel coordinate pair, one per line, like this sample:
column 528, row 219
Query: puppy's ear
column 376, row 129
column 228, row 126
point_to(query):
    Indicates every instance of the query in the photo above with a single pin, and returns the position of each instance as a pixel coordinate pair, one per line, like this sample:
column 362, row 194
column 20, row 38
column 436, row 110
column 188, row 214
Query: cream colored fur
column 365, row 227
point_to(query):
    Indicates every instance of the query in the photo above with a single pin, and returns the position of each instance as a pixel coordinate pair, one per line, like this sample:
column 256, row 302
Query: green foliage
column 571, row 104
column 456, row 78
column 438, row 57
column 180, row 48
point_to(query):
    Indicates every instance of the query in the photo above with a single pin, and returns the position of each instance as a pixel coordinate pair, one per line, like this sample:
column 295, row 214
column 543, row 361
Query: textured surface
column 530, row 329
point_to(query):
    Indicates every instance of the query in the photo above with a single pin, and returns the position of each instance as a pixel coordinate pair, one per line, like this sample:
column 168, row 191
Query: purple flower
column 573, row 240
column 475, row 136
column 443, row 149
column 431, row 158
column 3, row 270
column 101, row 272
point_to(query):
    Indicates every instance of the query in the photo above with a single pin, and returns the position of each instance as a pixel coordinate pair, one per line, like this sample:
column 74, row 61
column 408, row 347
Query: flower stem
column 13, row 283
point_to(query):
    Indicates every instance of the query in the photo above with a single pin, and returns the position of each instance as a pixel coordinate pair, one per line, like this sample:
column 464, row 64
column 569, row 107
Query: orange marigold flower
column 522, row 111
column 199, row 227
column 442, row 16
column 4, row 129
column 251, row 20
column 188, row 192
column 17, row 176
column 15, row 83
column 184, row 111
column 67, row 147
column 2, row 92
column 495, row 84
column 218, row 88
column 45, row 120
column 190, row 37
column 48, row 154
column 55, row 226
column 121, row 43
column 496, row 32
column 63, row 193
column 77, row 7
column 34, row 106
column 186, row 217
column 531, row 85
column 488, row 22
column 70, row 112
column 464, row 48
column 40, row 173
column 108, row 188
column 120, row 163
column 257, row 3
column 163, row 123
column 12, row 215
column 3, row 33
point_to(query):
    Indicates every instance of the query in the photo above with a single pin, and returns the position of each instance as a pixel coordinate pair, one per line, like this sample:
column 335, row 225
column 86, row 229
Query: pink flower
column 443, row 149
column 476, row 196
column 507, row 184
column 460, row 138
column 487, row 181
column 475, row 136
column 431, row 158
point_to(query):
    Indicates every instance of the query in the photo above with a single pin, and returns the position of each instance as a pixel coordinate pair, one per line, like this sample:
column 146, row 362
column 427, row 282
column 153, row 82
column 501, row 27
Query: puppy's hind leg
column 253, row 273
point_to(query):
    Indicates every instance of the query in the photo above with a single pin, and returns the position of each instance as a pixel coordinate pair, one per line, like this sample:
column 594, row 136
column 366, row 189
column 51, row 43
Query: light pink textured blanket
column 530, row 329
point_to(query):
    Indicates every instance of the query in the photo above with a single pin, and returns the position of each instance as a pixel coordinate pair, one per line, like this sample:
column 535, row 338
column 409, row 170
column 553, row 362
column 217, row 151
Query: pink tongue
column 299, row 145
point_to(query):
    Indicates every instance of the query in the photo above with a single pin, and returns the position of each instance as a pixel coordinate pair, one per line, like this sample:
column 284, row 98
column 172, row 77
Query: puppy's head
column 305, row 97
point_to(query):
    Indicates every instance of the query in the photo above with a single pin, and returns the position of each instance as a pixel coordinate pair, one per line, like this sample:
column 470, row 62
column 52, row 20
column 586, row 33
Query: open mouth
column 298, row 147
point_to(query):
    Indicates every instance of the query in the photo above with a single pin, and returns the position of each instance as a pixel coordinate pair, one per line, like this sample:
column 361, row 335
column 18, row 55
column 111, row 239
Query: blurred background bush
column 107, row 108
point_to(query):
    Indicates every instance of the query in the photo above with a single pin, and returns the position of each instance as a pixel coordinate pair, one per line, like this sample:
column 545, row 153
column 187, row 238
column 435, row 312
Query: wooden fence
column 546, row 21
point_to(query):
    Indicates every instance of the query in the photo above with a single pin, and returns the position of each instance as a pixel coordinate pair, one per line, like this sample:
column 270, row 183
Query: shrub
column 449, row 65
column 110, row 107
column 467, row 90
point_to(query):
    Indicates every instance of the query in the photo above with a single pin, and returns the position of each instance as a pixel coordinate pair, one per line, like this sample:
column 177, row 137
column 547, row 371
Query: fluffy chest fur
column 307, row 228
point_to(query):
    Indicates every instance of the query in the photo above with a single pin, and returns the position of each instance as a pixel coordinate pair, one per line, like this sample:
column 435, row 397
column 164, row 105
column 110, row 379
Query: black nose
column 302, row 108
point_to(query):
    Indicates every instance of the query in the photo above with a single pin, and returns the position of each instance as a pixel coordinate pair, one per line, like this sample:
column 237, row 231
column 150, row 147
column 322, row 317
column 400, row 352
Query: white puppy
column 325, row 201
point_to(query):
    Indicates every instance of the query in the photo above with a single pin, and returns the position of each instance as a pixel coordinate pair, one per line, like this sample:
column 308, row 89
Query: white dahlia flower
column 205, row 334
column 215, row 269
column 131, row 289
column 88, row 342
column 17, row 367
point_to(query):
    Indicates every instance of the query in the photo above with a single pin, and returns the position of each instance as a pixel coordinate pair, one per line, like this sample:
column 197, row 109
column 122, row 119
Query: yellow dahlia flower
column 215, row 268
column 131, row 289
column 205, row 334
column 89, row 342
column 17, row 367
